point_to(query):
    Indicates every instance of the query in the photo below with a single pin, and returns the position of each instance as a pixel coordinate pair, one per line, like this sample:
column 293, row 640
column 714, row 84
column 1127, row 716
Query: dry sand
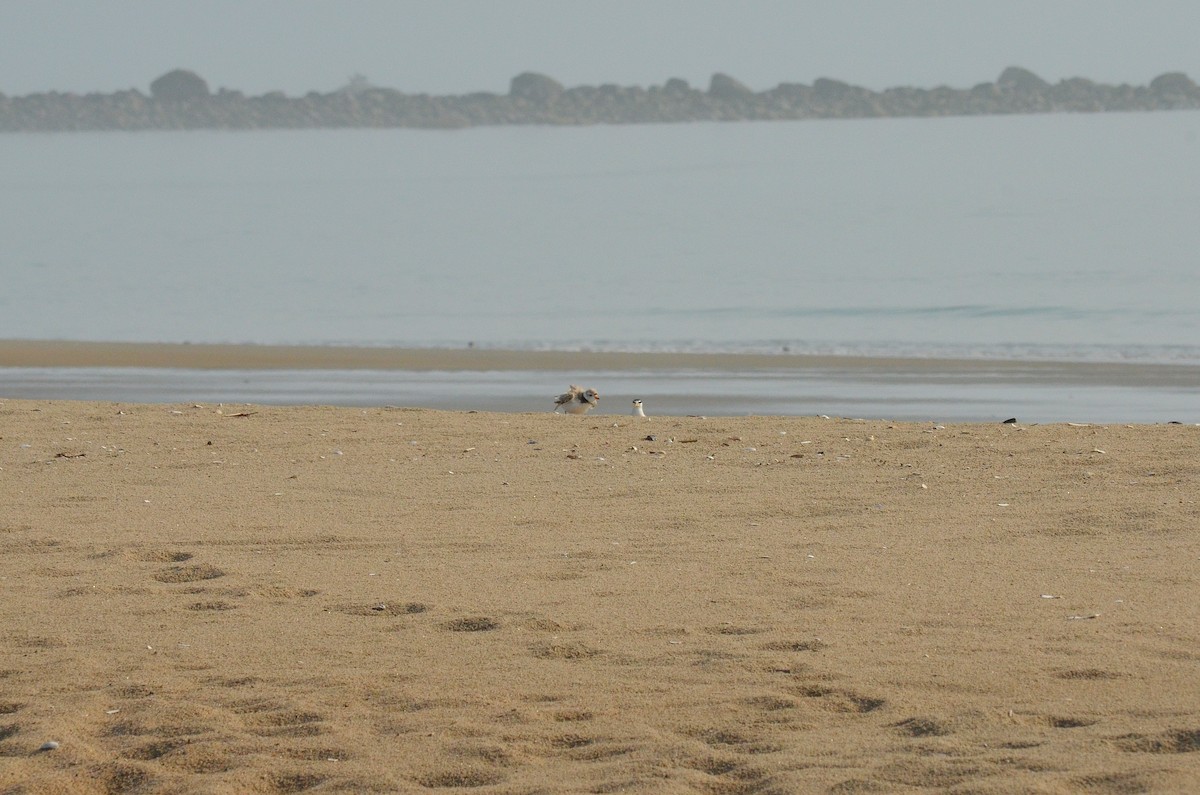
column 236, row 599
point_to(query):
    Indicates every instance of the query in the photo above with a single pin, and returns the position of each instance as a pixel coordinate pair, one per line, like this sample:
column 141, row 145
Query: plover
column 637, row 409
column 576, row 400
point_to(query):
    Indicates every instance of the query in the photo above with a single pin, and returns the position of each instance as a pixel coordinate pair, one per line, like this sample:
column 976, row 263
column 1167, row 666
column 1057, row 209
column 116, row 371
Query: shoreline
column 249, row 356
column 671, row 384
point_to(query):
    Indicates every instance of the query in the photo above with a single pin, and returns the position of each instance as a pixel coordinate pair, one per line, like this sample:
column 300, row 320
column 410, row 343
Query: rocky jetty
column 181, row 100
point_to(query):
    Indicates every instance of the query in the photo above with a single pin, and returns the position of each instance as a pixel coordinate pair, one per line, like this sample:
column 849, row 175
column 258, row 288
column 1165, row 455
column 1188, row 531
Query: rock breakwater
column 181, row 100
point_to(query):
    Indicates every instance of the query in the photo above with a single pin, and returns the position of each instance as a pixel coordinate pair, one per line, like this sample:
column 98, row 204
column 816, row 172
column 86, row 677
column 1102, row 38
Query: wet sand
column 42, row 353
column 230, row 599
column 671, row 383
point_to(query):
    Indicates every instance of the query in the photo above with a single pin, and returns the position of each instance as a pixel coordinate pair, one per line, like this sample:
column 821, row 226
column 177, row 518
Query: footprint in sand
column 381, row 609
column 471, row 624
column 736, row 741
column 769, row 703
column 922, row 727
column 837, row 700
column 1087, row 674
column 1069, row 722
column 732, row 774
column 549, row 625
column 296, row 782
column 288, row 723
column 133, row 691
column 281, row 592
column 564, row 651
column 920, row 773
column 1115, row 782
column 596, row 749
column 160, row 555
column 1176, row 741
column 573, row 715
column 815, row 644
column 23, row 640
column 733, row 630
column 120, row 777
column 196, row 573
column 475, row 751
column 201, row 757
column 314, row 754
column 1053, row 721
column 155, row 750
column 254, row 706
column 463, row 777
column 214, row 605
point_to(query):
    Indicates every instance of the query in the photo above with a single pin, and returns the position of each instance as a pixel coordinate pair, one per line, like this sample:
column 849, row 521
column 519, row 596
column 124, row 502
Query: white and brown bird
column 577, row 400
column 637, row 409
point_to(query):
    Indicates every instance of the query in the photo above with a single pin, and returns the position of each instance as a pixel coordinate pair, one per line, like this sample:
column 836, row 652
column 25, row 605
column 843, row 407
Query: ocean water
column 1071, row 237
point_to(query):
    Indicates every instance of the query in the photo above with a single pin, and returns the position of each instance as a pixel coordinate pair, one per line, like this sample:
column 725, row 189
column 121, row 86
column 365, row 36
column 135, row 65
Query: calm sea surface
column 1061, row 236
column 1071, row 237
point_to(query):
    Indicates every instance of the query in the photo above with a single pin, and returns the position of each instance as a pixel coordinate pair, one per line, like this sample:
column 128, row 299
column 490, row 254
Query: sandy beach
column 209, row 598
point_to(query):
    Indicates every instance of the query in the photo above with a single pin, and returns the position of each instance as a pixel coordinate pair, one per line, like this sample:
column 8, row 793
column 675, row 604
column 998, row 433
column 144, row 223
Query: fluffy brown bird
column 577, row 400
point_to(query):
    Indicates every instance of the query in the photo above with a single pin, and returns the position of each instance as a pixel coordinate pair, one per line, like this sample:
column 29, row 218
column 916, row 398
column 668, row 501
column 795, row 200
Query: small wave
column 1089, row 353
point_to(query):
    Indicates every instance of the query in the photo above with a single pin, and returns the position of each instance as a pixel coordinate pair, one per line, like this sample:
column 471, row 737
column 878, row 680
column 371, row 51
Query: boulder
column 825, row 88
column 179, row 85
column 535, row 87
column 1014, row 78
column 723, row 86
column 677, row 85
column 1172, row 83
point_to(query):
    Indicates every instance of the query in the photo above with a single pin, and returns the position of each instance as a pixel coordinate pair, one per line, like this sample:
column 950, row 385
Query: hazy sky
column 458, row 46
